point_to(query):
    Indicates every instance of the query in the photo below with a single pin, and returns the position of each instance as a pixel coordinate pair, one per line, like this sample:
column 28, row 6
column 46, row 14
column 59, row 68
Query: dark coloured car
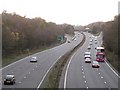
column 9, row 79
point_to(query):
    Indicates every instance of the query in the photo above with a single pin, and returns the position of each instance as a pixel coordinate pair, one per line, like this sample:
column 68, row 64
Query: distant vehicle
column 95, row 42
column 100, row 55
column 87, row 60
column 33, row 59
column 9, row 79
column 90, row 43
column 87, row 53
column 91, row 40
column 75, row 39
column 68, row 41
column 87, row 56
column 95, row 64
column 88, row 47
column 95, row 39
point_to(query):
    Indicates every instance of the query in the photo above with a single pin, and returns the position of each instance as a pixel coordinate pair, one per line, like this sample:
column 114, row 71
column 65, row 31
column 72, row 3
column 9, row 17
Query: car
column 88, row 47
column 75, row 39
column 87, row 56
column 87, row 53
column 9, row 79
column 95, row 42
column 95, row 64
column 33, row 59
column 68, row 41
column 87, row 60
column 90, row 43
column 91, row 40
column 95, row 39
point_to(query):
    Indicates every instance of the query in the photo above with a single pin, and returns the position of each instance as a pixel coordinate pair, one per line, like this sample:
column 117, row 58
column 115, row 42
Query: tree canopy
column 20, row 33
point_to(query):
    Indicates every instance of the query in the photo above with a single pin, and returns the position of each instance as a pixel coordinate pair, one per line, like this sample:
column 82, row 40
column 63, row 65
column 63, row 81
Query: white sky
column 75, row 12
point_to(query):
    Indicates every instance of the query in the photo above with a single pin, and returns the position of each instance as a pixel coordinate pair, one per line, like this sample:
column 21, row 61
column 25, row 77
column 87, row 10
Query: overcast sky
column 75, row 12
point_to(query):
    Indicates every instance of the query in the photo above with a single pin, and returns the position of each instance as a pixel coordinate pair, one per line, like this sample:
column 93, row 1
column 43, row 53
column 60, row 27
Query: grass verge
column 53, row 77
column 113, row 60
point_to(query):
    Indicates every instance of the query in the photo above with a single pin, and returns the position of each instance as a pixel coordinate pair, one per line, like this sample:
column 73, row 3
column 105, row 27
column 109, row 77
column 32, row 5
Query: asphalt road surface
column 79, row 74
column 30, row 75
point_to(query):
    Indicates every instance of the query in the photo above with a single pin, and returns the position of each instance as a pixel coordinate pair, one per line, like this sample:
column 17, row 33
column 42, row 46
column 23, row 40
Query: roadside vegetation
column 110, row 38
column 22, row 36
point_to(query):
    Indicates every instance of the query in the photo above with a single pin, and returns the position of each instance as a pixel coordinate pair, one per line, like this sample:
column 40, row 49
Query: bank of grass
column 53, row 77
column 15, row 57
column 113, row 60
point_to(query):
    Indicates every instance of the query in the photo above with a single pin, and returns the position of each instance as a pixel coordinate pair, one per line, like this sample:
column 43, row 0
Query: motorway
column 31, row 75
column 79, row 74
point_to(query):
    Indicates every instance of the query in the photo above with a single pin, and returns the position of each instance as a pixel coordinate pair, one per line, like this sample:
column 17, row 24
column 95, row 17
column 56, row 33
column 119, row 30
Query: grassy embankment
column 113, row 60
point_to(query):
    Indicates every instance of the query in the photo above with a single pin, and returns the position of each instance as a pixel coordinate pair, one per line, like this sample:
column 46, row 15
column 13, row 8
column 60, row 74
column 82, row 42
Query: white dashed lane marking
column 105, row 82
column 19, row 82
column 83, row 76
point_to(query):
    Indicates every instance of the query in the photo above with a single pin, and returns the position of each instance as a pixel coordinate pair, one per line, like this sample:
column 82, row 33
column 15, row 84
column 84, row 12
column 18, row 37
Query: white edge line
column 47, row 73
column 65, row 79
column 112, row 69
column 14, row 63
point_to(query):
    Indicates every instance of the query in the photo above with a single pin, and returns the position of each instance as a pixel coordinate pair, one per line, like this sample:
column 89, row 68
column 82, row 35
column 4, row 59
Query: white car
column 87, row 60
column 87, row 56
column 90, row 43
column 95, row 64
column 95, row 39
column 87, row 53
column 88, row 47
column 75, row 39
column 91, row 40
column 33, row 59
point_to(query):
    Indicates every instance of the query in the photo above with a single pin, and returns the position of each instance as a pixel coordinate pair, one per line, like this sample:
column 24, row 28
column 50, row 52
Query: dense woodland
column 20, row 33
